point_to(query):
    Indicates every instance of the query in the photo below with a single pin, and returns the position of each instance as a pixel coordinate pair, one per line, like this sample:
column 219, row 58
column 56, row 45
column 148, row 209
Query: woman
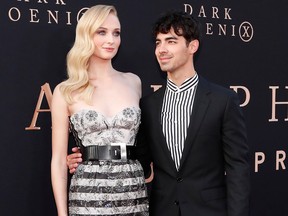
column 100, row 105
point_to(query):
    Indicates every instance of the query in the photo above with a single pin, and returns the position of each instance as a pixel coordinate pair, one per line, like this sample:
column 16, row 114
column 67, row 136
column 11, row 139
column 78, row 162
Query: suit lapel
column 201, row 103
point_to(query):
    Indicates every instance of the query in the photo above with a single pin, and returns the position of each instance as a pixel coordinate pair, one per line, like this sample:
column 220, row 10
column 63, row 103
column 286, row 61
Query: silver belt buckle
column 122, row 149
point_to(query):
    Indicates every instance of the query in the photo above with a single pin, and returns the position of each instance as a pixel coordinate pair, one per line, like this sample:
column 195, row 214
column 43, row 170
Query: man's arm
column 236, row 153
column 73, row 159
column 142, row 151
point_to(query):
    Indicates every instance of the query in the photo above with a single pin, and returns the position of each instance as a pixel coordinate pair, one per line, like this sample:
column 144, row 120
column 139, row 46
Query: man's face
column 172, row 52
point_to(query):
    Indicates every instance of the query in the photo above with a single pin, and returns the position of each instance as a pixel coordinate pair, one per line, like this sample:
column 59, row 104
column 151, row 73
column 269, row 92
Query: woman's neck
column 100, row 69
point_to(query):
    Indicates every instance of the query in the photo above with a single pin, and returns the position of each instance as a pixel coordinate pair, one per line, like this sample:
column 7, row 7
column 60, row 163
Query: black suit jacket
column 213, row 178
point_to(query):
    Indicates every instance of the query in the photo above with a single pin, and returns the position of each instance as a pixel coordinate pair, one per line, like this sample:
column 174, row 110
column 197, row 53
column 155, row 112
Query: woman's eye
column 117, row 33
column 101, row 32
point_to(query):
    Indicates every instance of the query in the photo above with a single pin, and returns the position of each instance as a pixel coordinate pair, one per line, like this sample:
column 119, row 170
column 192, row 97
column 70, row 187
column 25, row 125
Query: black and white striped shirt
column 176, row 111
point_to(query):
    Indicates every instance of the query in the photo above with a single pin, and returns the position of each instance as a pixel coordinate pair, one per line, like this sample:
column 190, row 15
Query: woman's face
column 107, row 38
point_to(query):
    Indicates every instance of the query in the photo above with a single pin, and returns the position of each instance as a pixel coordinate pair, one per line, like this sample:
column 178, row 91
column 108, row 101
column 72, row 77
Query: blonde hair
column 79, row 55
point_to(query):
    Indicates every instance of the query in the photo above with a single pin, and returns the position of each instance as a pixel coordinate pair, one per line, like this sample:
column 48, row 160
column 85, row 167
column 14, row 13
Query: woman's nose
column 110, row 38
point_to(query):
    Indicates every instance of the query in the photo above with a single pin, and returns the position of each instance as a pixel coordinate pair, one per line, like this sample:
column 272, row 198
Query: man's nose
column 162, row 48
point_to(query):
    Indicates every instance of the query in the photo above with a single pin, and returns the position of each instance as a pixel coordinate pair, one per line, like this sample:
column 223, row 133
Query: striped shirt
column 175, row 117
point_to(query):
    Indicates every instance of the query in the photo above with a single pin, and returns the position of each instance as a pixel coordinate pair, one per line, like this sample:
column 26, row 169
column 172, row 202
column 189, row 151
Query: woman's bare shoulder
column 57, row 90
column 132, row 76
column 133, row 80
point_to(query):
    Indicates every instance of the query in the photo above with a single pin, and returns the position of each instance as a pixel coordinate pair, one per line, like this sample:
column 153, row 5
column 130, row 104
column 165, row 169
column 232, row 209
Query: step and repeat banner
column 244, row 48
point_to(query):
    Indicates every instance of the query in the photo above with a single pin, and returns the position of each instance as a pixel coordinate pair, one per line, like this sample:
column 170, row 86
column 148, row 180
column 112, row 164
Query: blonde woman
column 100, row 106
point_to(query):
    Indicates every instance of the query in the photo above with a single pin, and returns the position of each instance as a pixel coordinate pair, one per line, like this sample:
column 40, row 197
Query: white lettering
column 18, row 14
column 81, row 12
column 233, row 30
column 202, row 12
column 259, row 159
column 274, row 103
column 33, row 16
column 62, row 2
column 209, row 29
column 155, row 87
column 68, row 18
column 215, row 12
column 280, row 157
column 188, row 9
column 222, row 28
column 54, row 17
column 246, row 91
column 227, row 15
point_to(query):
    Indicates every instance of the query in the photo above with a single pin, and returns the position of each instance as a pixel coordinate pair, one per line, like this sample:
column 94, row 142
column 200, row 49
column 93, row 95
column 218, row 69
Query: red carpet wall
column 244, row 48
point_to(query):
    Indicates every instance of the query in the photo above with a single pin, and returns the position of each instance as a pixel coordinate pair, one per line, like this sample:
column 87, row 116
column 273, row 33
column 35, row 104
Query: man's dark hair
column 182, row 23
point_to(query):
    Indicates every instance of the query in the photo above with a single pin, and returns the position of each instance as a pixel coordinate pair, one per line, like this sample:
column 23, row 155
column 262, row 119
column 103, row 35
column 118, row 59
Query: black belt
column 115, row 151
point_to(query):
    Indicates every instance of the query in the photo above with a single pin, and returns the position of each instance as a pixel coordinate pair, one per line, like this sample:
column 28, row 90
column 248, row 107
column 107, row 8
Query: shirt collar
column 187, row 84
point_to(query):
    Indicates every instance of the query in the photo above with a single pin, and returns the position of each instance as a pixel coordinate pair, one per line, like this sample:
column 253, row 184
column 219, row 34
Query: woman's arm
column 60, row 124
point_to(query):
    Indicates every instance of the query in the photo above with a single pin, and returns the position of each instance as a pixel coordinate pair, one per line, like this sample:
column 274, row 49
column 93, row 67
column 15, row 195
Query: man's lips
column 164, row 58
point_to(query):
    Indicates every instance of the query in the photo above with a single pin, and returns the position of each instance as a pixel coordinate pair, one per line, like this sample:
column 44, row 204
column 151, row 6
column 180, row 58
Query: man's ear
column 193, row 46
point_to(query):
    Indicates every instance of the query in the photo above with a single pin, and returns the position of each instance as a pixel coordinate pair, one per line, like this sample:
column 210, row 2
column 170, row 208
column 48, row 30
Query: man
column 194, row 133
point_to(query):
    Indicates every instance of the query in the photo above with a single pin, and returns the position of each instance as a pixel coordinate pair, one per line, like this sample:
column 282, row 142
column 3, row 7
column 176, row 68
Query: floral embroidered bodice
column 90, row 127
